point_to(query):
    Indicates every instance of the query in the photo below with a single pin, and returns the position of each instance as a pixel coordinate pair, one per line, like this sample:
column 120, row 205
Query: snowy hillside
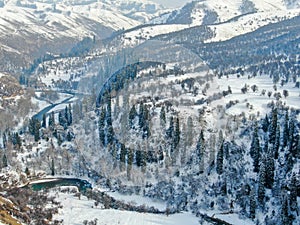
column 249, row 23
column 209, row 12
column 55, row 27
column 228, row 19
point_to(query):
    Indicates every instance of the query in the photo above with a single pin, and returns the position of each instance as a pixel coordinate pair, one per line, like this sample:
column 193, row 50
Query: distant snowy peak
column 292, row 3
column 213, row 11
column 140, row 10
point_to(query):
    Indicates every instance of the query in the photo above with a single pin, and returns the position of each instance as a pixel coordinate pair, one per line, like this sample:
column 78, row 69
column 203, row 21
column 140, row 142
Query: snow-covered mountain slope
column 54, row 27
column 213, row 11
column 214, row 21
column 249, row 23
column 134, row 37
column 228, row 19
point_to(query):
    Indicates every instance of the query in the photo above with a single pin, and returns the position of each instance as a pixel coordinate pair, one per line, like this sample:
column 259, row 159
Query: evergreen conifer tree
column 170, row 130
column 129, row 163
column 62, row 120
column 4, row 140
column 285, row 134
column 109, row 130
column 293, row 194
column 101, row 125
column 273, row 126
column 286, row 218
column 261, row 192
column 266, row 124
column 4, row 161
column 132, row 115
column 146, row 129
column 70, row 116
column 252, row 204
column 51, row 121
column 162, row 116
column 255, row 149
column 18, row 141
column 141, row 116
column 270, row 169
column 276, row 145
column 220, row 159
column 123, row 154
column 177, row 133
column 44, row 121
column 138, row 158
column 37, row 127
column 52, row 167
column 190, row 131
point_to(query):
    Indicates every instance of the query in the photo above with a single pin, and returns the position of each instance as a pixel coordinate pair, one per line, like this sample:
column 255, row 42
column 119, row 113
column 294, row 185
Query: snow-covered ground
column 139, row 200
column 76, row 211
column 249, row 23
column 140, row 35
column 254, row 102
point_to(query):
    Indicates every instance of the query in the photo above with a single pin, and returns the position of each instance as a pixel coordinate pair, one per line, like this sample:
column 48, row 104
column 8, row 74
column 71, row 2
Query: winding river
column 47, row 109
column 82, row 185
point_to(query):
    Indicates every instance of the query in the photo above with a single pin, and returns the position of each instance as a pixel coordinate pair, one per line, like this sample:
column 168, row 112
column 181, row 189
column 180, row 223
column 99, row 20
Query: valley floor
column 76, row 211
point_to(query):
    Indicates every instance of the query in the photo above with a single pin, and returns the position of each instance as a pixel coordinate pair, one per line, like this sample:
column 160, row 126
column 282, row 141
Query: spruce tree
column 261, row 192
column 138, row 158
column 66, row 115
column 132, row 115
column 69, row 136
column 293, row 194
column 200, row 146
column 293, row 138
column 18, row 141
column 141, row 116
column 101, row 125
column 252, row 204
column 4, row 140
column 146, row 129
column 31, row 125
column 62, row 120
column 255, row 149
column 285, row 134
column 276, row 145
column 170, row 130
column 265, row 124
column 286, row 218
column 37, row 127
column 4, row 161
column 70, row 115
column 123, row 154
column 144, row 161
column 298, row 149
column 220, row 159
column 270, row 168
column 162, row 116
column 51, row 121
column 177, row 133
column 273, row 126
column 129, row 163
column 44, row 121
column 289, row 162
column 109, row 130
column 190, row 131
column 52, row 167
